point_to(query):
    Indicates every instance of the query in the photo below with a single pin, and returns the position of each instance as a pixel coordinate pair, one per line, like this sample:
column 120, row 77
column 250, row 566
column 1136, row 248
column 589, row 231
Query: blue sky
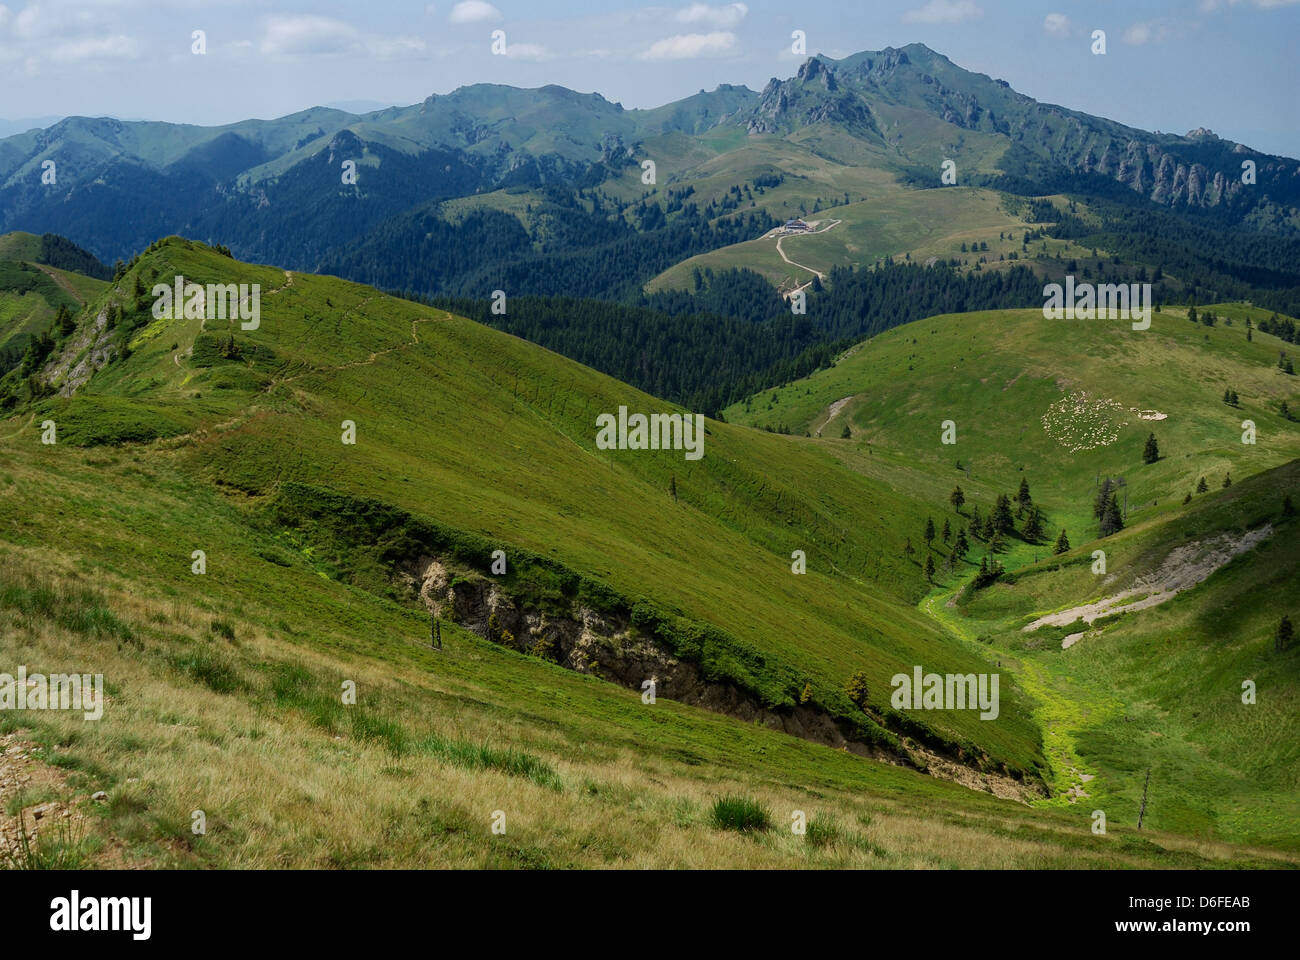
column 1171, row 65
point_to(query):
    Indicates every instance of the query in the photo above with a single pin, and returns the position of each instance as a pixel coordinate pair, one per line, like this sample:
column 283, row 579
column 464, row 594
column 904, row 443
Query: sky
column 1170, row 65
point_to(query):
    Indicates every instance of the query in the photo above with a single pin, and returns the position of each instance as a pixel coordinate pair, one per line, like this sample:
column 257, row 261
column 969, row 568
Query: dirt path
column 67, row 288
column 1185, row 567
column 25, row 783
column 832, row 412
column 785, row 236
column 415, row 341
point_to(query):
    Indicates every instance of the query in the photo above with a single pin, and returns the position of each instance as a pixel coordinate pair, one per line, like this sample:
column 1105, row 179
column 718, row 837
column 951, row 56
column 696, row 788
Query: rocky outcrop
column 585, row 641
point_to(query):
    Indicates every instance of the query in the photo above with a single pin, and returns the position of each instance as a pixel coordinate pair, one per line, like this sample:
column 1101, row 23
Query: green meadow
column 226, row 687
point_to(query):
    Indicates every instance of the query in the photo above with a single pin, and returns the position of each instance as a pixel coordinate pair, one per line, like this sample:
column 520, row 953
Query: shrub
column 856, row 688
column 743, row 814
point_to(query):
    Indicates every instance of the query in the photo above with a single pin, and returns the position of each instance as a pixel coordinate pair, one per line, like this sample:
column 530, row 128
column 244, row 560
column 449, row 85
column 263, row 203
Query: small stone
column 99, row 795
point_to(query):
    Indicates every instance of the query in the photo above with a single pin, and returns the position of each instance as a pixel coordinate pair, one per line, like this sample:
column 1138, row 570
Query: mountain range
column 272, row 190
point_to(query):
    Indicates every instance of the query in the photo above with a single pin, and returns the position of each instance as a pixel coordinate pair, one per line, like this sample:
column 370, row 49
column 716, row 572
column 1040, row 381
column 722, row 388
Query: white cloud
column 1057, row 24
column 1209, row 6
column 527, row 51
column 96, row 48
column 686, row 46
column 311, row 35
column 29, row 23
column 727, row 15
column 945, row 11
column 4, row 15
column 1151, row 31
column 473, row 11
column 308, row 33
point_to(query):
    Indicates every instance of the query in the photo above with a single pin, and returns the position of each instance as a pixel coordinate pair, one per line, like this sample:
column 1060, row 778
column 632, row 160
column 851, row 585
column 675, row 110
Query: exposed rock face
column 86, row 351
column 584, row 641
column 1198, row 170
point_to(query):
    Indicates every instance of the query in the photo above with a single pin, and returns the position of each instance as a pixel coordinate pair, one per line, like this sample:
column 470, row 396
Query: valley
column 518, row 480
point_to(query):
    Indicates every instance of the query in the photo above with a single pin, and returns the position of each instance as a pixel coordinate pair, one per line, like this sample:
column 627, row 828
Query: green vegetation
column 743, row 814
column 316, row 551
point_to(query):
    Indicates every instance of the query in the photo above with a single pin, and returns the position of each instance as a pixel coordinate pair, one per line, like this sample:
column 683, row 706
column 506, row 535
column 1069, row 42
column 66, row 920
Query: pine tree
column 976, row 524
column 672, row 487
column 929, row 568
column 1202, row 486
column 929, row 531
column 957, row 498
column 1022, row 495
column 1033, row 531
column 1113, row 520
column 961, row 546
column 856, row 688
column 1187, row 499
column 846, row 433
column 1151, row 453
column 1103, row 497
column 908, row 549
column 1227, row 479
column 1062, row 542
column 64, row 321
column 1003, row 522
column 947, row 531
column 1284, row 635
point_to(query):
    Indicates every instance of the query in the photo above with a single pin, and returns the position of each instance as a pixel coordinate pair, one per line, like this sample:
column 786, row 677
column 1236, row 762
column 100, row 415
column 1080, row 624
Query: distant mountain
column 275, row 190
column 9, row 127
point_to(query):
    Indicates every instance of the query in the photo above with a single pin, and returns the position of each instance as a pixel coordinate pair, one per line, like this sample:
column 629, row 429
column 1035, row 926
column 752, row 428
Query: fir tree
column 1113, row 520
column 1103, row 497
column 1022, row 495
column 1062, row 542
column 1151, row 453
column 957, row 498
column 929, row 568
column 947, row 531
column 1202, row 486
column 1033, row 531
column 1003, row 522
column 1284, row 635
column 929, row 531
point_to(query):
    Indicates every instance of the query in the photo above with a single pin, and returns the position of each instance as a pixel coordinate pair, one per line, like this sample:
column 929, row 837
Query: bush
column 856, row 688
column 743, row 814
column 822, row 832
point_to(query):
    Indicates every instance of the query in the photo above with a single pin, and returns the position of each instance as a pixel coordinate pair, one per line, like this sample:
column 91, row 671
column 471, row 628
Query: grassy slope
column 1160, row 687
column 410, row 776
column 893, row 222
column 720, row 555
column 30, row 295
